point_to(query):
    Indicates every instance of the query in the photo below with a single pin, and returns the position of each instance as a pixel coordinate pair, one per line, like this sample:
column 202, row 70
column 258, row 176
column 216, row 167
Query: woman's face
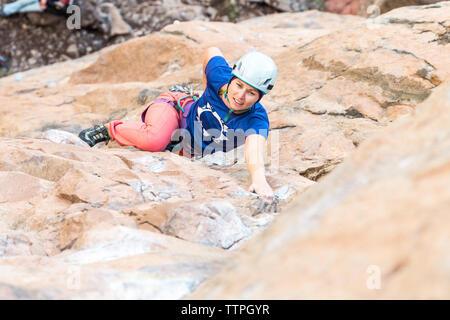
column 241, row 96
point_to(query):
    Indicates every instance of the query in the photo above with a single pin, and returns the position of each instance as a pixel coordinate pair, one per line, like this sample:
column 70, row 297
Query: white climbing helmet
column 256, row 69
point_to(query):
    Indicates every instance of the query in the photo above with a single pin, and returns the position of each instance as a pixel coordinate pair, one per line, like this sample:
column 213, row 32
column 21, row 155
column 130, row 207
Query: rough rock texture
column 375, row 228
column 152, row 189
column 343, row 93
column 357, row 7
column 37, row 39
column 369, row 8
column 117, row 26
column 64, row 205
column 33, row 42
column 111, row 216
column 120, row 263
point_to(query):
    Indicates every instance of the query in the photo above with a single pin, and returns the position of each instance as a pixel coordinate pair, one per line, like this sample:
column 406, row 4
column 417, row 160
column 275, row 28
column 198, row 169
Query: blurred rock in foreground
column 375, row 228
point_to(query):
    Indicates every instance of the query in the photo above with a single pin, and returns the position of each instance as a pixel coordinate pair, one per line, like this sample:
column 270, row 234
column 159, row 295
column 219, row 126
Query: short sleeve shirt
column 208, row 131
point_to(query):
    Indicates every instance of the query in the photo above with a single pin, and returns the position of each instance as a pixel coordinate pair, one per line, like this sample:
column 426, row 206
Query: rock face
column 66, row 208
column 375, row 228
column 376, row 7
column 117, row 26
column 357, row 7
column 120, row 263
column 341, row 77
column 112, row 214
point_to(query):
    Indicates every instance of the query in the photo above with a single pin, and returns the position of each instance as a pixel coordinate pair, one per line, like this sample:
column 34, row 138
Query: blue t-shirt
column 208, row 131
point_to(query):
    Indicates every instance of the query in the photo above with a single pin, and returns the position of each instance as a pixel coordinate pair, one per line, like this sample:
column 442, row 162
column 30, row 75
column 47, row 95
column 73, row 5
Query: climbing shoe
column 94, row 135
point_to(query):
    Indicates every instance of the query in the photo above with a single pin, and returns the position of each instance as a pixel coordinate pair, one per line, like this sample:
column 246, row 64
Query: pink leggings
column 154, row 134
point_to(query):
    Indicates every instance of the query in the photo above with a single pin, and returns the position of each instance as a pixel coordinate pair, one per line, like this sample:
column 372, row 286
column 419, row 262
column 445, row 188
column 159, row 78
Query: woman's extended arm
column 210, row 52
column 254, row 157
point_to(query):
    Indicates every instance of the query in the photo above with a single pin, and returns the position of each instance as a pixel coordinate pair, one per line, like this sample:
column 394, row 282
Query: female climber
column 227, row 114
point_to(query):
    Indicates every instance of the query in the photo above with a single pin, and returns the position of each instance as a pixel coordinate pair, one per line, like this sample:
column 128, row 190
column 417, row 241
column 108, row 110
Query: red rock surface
column 96, row 212
column 375, row 228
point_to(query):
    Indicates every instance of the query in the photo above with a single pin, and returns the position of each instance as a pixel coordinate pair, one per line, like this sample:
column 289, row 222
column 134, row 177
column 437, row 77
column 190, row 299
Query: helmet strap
column 226, row 91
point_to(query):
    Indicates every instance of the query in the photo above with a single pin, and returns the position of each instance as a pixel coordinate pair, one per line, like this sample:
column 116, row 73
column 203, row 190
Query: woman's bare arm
column 254, row 157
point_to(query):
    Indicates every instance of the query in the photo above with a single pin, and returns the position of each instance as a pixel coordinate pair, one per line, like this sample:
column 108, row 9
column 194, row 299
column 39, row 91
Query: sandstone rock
column 14, row 244
column 370, row 8
column 105, row 188
column 90, row 16
column 120, row 263
column 72, row 51
column 338, row 91
column 373, row 8
column 16, row 186
column 415, row 73
column 346, row 94
column 216, row 224
column 59, row 136
column 80, row 219
column 335, row 90
column 184, row 43
column 376, row 222
column 77, row 186
column 117, row 25
column 43, row 18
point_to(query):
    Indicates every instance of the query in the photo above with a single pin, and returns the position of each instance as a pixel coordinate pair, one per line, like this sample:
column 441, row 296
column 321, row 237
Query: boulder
column 120, row 263
column 214, row 223
column 370, row 8
column 374, row 228
column 342, row 96
column 43, row 18
column 117, row 26
column 373, row 8
column 64, row 137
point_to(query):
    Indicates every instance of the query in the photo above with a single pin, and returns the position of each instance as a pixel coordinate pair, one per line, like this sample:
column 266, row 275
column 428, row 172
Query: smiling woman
column 227, row 115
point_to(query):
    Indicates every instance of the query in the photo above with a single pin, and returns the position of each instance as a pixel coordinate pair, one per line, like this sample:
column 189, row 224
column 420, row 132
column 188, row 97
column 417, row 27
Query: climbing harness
column 178, row 104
